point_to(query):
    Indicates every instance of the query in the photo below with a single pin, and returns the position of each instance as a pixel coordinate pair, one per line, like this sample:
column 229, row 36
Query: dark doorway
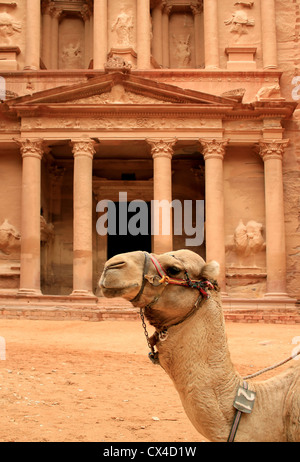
column 121, row 242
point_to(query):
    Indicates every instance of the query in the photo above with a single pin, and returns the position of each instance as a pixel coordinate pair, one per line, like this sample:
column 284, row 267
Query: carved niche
column 74, row 37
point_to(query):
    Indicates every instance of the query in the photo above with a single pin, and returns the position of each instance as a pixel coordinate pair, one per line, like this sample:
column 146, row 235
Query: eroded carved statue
column 47, row 230
column 248, row 238
column 8, row 28
column 239, row 20
column 246, row 242
column 10, row 238
column 123, row 26
column 71, row 55
column 183, row 50
column 268, row 92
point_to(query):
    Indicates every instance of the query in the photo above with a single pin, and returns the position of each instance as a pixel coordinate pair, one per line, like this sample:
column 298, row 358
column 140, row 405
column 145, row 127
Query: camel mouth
column 111, row 292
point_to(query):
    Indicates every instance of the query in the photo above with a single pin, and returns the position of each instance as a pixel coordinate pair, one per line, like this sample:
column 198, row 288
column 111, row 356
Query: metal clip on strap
column 243, row 403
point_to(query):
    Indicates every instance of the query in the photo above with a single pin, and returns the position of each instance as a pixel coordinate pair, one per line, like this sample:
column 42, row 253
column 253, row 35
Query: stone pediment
column 119, row 95
column 117, row 88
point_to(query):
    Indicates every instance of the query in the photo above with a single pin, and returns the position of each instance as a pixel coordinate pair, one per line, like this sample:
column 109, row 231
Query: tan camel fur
column 195, row 353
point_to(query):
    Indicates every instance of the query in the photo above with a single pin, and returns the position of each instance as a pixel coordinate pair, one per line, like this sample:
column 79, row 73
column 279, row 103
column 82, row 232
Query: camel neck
column 196, row 357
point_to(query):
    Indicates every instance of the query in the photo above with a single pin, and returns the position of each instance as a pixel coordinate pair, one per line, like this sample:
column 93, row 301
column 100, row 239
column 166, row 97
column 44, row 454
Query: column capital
column 30, row 147
column 272, row 149
column 213, row 149
column 56, row 12
column 83, row 147
column 86, row 12
column 47, row 6
column 166, row 7
column 196, row 7
column 161, row 147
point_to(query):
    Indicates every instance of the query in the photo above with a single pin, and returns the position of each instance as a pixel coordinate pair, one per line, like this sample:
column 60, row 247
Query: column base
column 82, row 293
column 273, row 295
column 29, row 292
column 31, row 68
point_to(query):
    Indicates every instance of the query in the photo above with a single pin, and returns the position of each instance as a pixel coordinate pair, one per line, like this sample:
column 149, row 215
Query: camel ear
column 210, row 270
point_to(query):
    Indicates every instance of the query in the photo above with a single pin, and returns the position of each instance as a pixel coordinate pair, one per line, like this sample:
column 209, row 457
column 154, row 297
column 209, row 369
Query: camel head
column 150, row 281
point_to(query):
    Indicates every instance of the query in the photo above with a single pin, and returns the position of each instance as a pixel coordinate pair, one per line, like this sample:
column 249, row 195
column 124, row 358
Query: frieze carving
column 239, row 21
column 112, row 123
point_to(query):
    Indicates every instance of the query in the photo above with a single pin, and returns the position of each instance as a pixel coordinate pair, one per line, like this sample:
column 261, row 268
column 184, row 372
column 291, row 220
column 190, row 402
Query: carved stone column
column 211, row 33
column 162, row 152
column 214, row 152
column 157, row 40
column 86, row 16
column 272, row 152
column 83, row 151
column 56, row 13
column 197, row 9
column 32, row 153
column 33, row 40
column 100, row 33
column 165, row 33
column 46, row 29
column 269, row 40
column 143, row 34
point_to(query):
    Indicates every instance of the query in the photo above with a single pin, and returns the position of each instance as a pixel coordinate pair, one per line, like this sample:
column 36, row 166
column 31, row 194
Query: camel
column 177, row 293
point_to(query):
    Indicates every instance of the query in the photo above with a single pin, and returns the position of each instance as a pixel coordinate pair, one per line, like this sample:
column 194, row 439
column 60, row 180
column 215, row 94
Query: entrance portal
column 121, row 243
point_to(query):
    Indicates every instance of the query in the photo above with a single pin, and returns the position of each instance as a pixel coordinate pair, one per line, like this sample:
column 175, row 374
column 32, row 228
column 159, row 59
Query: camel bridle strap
column 163, row 279
column 187, row 282
column 144, row 280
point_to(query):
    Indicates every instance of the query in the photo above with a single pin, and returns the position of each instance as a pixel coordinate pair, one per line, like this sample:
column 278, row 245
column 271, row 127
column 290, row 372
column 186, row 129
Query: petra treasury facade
column 183, row 100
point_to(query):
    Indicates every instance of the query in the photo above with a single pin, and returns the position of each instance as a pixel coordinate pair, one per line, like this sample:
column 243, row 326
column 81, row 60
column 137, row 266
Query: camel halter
column 163, row 279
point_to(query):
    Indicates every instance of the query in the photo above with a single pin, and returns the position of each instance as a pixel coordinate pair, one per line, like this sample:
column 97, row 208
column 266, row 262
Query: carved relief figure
column 239, row 21
column 123, row 26
column 8, row 27
column 71, row 55
column 248, row 239
column 272, row 91
column 183, row 50
column 10, row 238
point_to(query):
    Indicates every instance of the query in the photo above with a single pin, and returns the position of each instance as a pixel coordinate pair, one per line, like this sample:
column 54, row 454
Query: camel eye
column 173, row 271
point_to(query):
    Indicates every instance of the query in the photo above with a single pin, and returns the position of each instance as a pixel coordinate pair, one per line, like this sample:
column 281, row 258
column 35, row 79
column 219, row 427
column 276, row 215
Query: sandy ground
column 84, row 381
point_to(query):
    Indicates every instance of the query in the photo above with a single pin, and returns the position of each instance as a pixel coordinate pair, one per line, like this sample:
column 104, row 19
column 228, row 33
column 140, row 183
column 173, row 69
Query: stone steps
column 48, row 307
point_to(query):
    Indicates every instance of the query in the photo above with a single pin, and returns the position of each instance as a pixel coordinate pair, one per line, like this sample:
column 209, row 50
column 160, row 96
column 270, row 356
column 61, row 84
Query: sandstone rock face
column 173, row 100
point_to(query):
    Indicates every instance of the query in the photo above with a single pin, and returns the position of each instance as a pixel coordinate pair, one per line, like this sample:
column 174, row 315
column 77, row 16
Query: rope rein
column 266, row 369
